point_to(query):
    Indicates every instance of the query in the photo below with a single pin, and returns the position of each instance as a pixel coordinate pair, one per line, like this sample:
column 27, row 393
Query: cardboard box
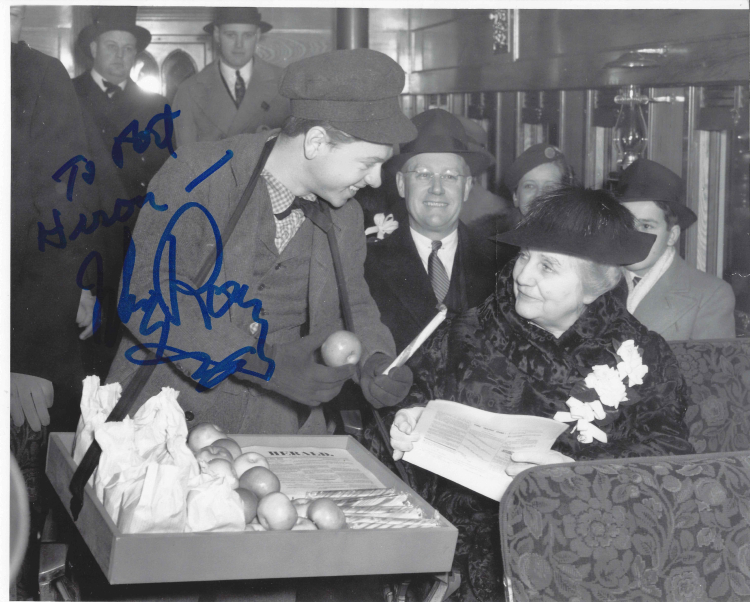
column 173, row 557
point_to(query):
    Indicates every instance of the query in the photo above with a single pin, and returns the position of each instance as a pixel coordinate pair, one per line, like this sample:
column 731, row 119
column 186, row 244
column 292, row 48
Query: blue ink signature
column 142, row 139
column 228, row 155
column 122, row 212
column 72, row 165
column 211, row 372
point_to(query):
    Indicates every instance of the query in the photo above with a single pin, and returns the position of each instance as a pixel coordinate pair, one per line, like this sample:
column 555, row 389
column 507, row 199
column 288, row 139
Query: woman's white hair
column 598, row 278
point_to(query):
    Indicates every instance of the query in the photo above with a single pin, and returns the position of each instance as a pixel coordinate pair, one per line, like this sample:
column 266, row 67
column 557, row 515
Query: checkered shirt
column 281, row 199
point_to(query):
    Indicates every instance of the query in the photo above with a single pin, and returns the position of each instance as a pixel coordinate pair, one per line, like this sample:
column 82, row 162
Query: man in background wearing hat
column 430, row 258
column 345, row 120
column 238, row 92
column 665, row 293
column 110, row 102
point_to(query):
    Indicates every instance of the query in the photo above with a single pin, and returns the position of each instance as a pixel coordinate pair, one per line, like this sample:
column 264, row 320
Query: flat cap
column 532, row 157
column 356, row 91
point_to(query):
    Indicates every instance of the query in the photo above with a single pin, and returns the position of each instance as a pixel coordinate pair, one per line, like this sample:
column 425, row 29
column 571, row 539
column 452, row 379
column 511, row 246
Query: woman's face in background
column 543, row 178
column 549, row 290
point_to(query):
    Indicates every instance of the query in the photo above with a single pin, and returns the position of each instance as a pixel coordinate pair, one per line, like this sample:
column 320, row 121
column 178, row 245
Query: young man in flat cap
column 665, row 293
column 238, row 93
column 345, row 120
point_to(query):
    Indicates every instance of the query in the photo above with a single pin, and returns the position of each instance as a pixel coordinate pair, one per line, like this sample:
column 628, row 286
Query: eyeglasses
column 446, row 179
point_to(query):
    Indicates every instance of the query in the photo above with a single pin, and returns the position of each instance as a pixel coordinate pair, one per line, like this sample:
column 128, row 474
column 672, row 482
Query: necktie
column 239, row 89
column 297, row 203
column 112, row 90
column 438, row 276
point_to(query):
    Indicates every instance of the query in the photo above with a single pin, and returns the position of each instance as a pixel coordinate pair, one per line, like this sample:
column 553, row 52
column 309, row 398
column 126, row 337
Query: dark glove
column 381, row 390
column 300, row 377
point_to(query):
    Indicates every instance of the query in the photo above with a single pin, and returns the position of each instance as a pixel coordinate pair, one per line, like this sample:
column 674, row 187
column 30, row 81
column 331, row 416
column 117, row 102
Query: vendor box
column 177, row 557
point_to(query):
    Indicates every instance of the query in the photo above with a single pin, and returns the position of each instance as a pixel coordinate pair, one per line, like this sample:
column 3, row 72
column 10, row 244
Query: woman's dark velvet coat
column 493, row 359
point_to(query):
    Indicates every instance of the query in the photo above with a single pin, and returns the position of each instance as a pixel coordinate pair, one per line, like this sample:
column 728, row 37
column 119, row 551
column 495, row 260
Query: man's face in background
column 236, row 42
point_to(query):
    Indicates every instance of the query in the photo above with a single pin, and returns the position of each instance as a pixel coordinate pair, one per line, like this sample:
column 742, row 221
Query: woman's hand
column 402, row 431
column 521, row 460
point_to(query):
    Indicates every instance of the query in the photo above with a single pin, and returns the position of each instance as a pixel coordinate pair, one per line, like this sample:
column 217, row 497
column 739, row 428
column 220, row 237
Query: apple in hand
column 261, row 482
column 204, row 434
column 326, row 514
column 230, row 445
column 276, row 512
column 340, row 348
column 249, row 504
column 248, row 460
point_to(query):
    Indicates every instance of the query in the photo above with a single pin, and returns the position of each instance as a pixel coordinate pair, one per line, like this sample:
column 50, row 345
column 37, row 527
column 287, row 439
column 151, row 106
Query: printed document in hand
column 473, row 447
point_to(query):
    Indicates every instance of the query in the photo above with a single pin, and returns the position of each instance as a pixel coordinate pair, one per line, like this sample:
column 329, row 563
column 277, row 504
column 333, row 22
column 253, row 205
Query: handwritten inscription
column 142, row 139
column 210, row 372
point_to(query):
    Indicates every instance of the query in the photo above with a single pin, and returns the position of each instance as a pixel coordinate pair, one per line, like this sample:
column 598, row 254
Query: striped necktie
column 438, row 276
column 239, row 89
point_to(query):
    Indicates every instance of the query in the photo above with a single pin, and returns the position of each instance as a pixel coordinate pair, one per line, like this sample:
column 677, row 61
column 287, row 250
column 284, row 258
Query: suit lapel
column 407, row 279
column 262, row 88
column 212, row 97
column 668, row 300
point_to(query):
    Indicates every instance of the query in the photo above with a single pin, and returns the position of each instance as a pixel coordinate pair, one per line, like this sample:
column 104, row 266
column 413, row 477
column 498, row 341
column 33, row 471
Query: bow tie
column 111, row 89
column 298, row 203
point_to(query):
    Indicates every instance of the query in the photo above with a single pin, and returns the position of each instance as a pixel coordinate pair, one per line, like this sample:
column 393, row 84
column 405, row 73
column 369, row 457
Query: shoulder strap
column 143, row 373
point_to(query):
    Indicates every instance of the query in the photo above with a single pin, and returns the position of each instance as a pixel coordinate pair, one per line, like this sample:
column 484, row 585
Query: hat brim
column 600, row 249
column 90, row 32
column 396, row 129
column 262, row 25
column 685, row 216
column 478, row 161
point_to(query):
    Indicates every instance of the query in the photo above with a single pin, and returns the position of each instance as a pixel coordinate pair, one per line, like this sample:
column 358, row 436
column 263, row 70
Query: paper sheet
column 473, row 447
column 304, row 469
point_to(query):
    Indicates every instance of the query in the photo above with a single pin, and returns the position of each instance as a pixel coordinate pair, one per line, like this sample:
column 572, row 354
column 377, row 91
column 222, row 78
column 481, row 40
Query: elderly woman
column 552, row 330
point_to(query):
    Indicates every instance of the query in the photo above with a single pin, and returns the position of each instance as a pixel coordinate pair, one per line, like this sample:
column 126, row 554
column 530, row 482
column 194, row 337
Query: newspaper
column 304, row 469
column 473, row 447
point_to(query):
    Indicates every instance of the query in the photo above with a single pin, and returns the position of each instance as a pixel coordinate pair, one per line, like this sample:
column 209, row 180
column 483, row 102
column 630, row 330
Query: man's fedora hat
column 356, row 91
column 646, row 180
column 238, row 14
column 584, row 223
column 441, row 132
column 113, row 18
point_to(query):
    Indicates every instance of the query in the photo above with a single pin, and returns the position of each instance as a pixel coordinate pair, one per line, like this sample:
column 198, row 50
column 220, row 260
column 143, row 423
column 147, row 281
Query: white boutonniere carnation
column 608, row 385
column 631, row 365
column 384, row 224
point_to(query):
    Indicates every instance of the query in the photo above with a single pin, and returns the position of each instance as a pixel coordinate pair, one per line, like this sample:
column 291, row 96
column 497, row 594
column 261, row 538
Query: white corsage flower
column 587, row 432
column 605, row 380
column 384, row 224
column 631, row 364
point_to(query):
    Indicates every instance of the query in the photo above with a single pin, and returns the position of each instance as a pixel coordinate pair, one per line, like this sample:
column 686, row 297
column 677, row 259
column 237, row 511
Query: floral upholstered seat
column 673, row 529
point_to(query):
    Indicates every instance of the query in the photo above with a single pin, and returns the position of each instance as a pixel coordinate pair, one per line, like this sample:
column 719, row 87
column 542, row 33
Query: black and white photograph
column 391, row 302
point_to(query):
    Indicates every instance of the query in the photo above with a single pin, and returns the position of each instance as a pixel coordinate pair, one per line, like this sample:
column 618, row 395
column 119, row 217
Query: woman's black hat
column 646, row 180
column 441, row 132
column 238, row 14
column 113, row 18
column 584, row 223
column 531, row 158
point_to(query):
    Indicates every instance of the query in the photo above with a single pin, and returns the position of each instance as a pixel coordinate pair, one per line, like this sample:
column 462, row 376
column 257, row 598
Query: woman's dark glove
column 300, row 377
column 381, row 390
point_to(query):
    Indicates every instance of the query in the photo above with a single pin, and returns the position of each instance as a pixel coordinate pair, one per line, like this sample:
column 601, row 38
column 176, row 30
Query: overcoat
column 686, row 303
column 208, row 112
column 46, row 132
column 235, row 405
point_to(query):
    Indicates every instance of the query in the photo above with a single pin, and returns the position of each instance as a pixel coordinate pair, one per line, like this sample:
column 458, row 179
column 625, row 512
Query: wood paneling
column 665, row 144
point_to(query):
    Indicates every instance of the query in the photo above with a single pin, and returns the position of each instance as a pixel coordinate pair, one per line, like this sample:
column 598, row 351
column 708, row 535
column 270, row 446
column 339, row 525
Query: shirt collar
column 421, row 241
column 230, row 73
column 99, row 79
column 281, row 196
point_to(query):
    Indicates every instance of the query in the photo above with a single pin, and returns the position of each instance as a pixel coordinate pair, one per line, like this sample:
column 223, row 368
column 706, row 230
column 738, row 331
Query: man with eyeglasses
column 429, row 259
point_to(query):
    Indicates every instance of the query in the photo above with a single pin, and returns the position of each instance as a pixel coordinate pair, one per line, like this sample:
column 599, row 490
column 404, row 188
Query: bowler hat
column 113, row 18
column 583, row 223
column 238, row 14
column 439, row 131
column 356, row 91
column 646, row 180
column 532, row 157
